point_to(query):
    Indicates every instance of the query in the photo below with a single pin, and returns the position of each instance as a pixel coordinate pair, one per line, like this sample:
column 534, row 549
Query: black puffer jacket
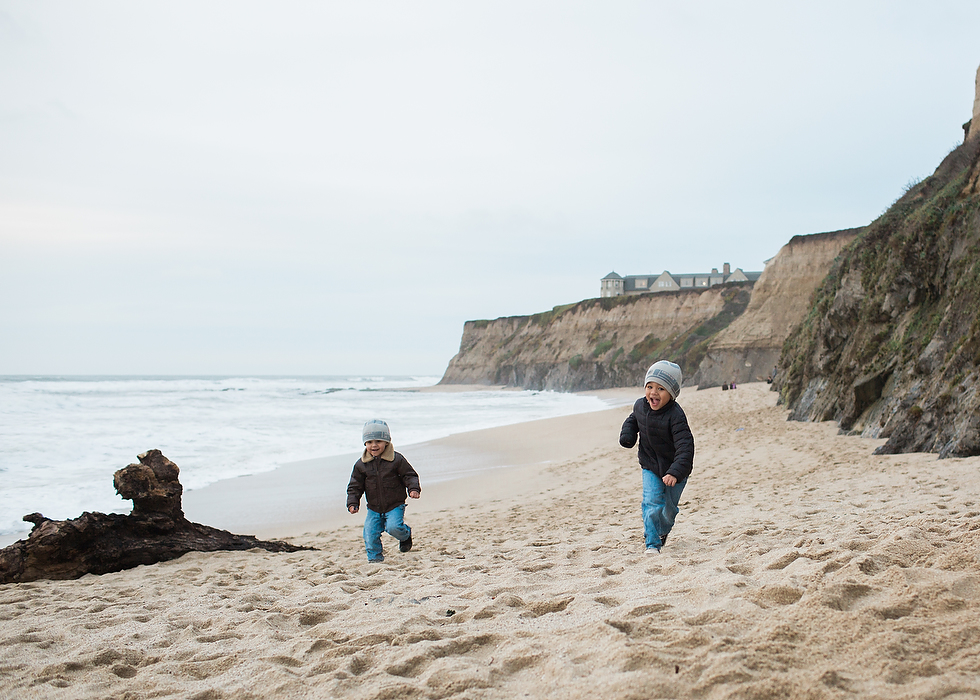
column 385, row 480
column 666, row 441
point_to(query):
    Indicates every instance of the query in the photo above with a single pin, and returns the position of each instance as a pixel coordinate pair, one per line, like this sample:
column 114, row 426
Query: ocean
column 62, row 438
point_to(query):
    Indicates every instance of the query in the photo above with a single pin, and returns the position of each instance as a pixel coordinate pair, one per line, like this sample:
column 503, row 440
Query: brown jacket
column 385, row 481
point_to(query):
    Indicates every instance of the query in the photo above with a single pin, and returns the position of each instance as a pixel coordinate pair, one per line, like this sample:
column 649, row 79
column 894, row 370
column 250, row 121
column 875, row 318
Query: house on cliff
column 613, row 285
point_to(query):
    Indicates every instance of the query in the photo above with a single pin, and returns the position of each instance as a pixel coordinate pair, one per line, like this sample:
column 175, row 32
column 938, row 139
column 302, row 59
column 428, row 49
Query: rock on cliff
column 596, row 343
column 891, row 346
column 748, row 350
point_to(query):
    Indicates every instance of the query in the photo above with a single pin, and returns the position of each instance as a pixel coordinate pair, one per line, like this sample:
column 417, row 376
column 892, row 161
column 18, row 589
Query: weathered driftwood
column 97, row 543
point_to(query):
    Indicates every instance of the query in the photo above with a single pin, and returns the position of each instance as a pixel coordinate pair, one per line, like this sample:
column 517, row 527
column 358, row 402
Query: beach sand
column 801, row 566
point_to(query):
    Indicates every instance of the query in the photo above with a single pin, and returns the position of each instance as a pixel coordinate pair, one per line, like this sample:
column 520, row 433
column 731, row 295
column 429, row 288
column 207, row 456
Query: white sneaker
column 653, row 550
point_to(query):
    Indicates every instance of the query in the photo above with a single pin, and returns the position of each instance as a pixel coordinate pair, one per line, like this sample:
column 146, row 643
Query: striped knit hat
column 375, row 430
column 666, row 374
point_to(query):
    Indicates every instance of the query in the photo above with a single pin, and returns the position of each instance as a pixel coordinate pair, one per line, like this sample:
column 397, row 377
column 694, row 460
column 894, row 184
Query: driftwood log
column 97, row 543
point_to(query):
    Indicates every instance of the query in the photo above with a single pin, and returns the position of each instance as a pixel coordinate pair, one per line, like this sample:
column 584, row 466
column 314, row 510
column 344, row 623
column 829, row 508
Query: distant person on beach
column 385, row 478
column 666, row 450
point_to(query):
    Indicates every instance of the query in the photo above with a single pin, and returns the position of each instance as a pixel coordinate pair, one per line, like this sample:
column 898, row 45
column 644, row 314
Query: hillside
column 891, row 346
column 595, row 343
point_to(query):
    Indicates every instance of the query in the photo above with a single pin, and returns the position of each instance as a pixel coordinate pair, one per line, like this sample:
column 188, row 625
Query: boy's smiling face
column 657, row 396
column 375, row 447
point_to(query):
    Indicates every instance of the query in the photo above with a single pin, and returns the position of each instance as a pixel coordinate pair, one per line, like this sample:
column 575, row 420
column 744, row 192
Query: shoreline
column 295, row 498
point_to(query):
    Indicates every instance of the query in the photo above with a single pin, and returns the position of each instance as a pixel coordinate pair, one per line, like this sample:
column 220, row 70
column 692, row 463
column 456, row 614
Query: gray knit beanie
column 375, row 430
column 666, row 374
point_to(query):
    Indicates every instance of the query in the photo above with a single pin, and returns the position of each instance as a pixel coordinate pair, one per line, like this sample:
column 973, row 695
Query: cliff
column 596, row 343
column 749, row 349
column 728, row 333
column 891, row 346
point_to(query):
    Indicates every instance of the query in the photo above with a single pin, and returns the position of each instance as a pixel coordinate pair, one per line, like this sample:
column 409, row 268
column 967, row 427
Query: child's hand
column 352, row 509
column 670, row 480
column 414, row 494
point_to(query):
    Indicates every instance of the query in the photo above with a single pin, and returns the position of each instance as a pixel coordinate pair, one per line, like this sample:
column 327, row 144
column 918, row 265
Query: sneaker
column 653, row 550
column 405, row 545
column 663, row 540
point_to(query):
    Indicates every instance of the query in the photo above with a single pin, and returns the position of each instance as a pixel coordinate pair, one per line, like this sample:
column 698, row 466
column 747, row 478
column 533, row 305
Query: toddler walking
column 385, row 477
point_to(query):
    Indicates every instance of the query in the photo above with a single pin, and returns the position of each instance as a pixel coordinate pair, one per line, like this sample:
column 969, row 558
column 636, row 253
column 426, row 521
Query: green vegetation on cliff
column 891, row 345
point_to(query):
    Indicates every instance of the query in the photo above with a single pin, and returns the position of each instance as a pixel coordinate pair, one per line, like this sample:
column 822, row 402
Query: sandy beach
column 801, row 566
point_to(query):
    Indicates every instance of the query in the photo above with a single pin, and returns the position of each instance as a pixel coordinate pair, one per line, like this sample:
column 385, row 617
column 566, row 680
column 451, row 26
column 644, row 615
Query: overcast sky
column 334, row 188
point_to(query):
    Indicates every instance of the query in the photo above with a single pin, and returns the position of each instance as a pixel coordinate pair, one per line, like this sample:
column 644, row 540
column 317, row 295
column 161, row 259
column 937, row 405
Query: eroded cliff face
column 891, row 346
column 596, row 343
column 749, row 349
column 723, row 334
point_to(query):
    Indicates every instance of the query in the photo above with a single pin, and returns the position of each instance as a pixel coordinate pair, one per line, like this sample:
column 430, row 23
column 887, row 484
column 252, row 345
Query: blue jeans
column 659, row 507
column 392, row 522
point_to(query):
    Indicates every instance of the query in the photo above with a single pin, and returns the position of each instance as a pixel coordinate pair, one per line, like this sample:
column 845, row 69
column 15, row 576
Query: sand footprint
column 783, row 560
column 220, row 637
column 846, row 596
column 768, row 596
column 411, row 667
column 547, row 607
column 281, row 660
column 608, row 601
column 651, row 609
column 740, row 569
column 534, row 568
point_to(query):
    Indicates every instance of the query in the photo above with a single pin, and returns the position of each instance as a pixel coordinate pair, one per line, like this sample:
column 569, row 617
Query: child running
column 666, row 450
column 384, row 477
